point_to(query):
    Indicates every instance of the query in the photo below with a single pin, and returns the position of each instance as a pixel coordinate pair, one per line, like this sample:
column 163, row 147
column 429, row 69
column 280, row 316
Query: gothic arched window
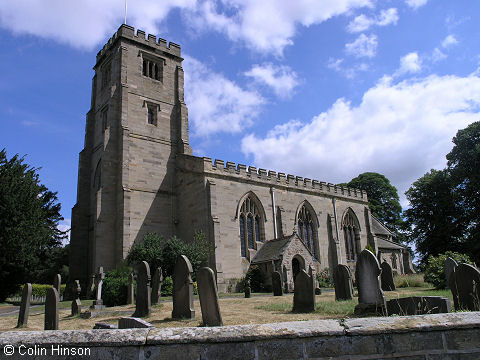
column 350, row 229
column 250, row 222
column 307, row 229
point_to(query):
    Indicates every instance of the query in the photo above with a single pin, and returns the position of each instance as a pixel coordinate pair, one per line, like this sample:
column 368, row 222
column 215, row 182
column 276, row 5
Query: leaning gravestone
column 465, row 287
column 143, row 302
column 51, row 309
column 76, row 303
column 448, row 265
column 183, row 289
column 157, row 281
column 370, row 294
column 277, row 284
column 207, row 293
column 130, row 294
column 342, row 277
column 133, row 323
column 387, row 277
column 57, row 282
column 304, row 292
column 25, row 305
column 98, row 302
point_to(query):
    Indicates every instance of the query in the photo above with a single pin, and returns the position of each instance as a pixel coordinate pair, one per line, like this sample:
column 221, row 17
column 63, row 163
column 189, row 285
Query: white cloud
column 348, row 71
column 215, row 103
column 281, row 79
column 65, row 225
column 415, row 4
column 400, row 130
column 363, row 22
column 449, row 41
column 363, row 46
column 438, row 55
column 410, row 63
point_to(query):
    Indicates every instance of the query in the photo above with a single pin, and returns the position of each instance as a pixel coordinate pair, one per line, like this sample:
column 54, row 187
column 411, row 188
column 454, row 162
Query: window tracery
column 350, row 228
column 307, row 230
column 250, row 223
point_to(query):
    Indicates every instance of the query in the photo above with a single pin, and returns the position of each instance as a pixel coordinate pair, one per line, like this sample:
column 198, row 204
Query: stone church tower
column 136, row 126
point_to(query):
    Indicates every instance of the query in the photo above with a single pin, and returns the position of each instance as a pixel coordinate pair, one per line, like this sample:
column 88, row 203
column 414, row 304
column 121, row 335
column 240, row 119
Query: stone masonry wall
column 426, row 337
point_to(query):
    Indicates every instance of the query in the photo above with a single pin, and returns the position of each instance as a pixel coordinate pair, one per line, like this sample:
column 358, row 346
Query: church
column 137, row 175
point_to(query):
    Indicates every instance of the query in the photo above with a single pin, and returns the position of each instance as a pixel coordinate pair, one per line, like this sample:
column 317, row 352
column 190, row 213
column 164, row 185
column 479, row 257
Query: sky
column 324, row 89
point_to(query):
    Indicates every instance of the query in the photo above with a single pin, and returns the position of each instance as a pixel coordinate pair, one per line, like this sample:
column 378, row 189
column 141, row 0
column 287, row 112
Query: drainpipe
column 275, row 234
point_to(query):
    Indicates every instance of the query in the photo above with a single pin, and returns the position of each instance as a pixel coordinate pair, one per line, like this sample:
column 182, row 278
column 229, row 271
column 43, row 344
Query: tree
column 464, row 166
column 434, row 218
column 29, row 216
column 383, row 198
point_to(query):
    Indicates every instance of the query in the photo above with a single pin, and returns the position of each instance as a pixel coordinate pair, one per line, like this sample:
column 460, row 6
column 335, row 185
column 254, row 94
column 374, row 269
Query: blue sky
column 325, row 89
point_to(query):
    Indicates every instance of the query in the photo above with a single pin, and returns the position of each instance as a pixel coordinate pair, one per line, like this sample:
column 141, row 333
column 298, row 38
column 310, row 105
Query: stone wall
column 428, row 337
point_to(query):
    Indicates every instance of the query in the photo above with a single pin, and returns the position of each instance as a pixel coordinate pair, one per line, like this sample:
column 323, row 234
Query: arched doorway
column 298, row 263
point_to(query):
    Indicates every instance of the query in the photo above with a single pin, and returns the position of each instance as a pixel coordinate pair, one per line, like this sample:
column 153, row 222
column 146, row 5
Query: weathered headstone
column 342, row 276
column 285, row 279
column 448, row 266
column 419, row 305
column 76, row 303
column 370, row 295
column 57, row 282
column 91, row 287
column 25, row 305
column 143, row 302
column 130, row 294
column 465, row 287
column 277, row 284
column 304, row 292
column 248, row 290
column 51, row 309
column 102, row 325
column 183, row 289
column 133, row 323
column 98, row 302
column 157, row 281
column 407, row 263
column 387, row 277
column 207, row 293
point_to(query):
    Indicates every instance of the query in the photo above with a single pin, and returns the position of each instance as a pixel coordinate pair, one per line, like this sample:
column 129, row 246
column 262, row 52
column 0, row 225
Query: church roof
column 379, row 228
column 272, row 249
column 386, row 244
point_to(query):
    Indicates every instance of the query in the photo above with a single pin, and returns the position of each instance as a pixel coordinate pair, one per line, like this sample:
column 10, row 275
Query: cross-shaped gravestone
column 98, row 302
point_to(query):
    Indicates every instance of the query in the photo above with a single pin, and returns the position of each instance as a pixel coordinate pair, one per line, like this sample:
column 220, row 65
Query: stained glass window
column 250, row 222
column 307, row 230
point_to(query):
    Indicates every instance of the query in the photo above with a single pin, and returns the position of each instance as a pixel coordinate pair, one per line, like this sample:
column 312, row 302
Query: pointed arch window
column 307, row 229
column 250, row 223
column 350, row 229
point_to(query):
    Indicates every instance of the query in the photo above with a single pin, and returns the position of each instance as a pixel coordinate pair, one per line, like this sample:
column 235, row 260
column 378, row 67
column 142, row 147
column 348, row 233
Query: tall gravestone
column 207, row 293
column 98, row 302
column 448, row 265
column 285, row 279
column 76, row 303
column 91, row 287
column 51, row 309
column 304, row 292
column 277, row 284
column 157, row 281
column 407, row 263
column 370, row 295
column 183, row 289
column 248, row 290
column 25, row 305
column 143, row 305
column 387, row 277
column 342, row 276
column 465, row 287
column 130, row 292
column 57, row 282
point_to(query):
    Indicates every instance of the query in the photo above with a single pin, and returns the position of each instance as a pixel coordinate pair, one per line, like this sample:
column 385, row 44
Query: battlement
column 273, row 178
column 128, row 32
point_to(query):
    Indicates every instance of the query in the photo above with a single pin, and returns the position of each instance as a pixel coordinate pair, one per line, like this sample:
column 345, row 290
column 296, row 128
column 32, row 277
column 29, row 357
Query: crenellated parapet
column 128, row 32
column 268, row 177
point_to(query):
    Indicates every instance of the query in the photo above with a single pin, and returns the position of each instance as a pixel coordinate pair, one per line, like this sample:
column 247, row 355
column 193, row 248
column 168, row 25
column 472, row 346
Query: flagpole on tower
column 125, row 12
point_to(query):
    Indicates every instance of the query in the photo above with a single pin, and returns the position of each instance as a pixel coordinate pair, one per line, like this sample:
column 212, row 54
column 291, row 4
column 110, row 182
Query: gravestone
column 342, row 276
column 57, row 282
column 370, row 295
column 304, row 292
column 419, row 305
column 98, row 302
column 143, row 301
column 387, row 277
column 157, row 281
column 285, row 279
column 277, row 284
column 91, row 287
column 183, row 289
column 248, row 290
column 207, row 293
column 465, row 287
column 25, row 305
column 130, row 294
column 133, row 323
column 407, row 263
column 102, row 325
column 51, row 309
column 448, row 265
column 76, row 303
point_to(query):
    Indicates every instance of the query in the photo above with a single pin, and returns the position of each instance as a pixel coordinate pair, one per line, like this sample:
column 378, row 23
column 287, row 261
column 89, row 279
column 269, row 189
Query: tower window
column 152, row 114
column 104, row 120
column 106, row 75
column 152, row 69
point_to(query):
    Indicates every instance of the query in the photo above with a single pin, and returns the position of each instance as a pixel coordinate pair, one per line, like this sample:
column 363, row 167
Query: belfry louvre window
column 250, row 222
column 349, row 233
column 306, row 229
column 152, row 69
column 106, row 74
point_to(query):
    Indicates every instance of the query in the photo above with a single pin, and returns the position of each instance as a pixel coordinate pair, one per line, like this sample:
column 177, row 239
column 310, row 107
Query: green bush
column 409, row 280
column 325, row 279
column 434, row 273
column 115, row 286
column 167, row 286
column 40, row 290
column 255, row 276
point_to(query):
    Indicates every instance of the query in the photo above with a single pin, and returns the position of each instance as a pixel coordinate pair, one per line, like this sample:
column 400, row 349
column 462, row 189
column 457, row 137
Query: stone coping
column 242, row 333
